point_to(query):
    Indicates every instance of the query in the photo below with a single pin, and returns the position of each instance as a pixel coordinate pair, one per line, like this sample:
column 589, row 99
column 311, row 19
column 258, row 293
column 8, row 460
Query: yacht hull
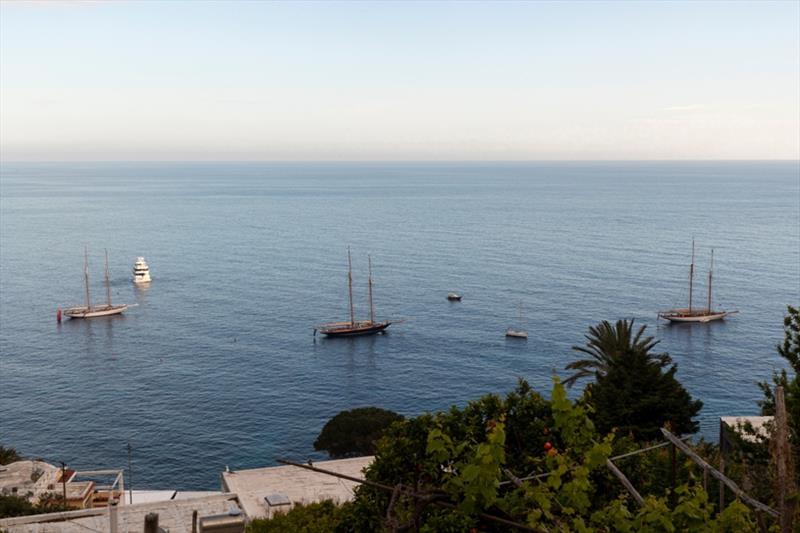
column 359, row 329
column 517, row 334
column 103, row 310
column 683, row 316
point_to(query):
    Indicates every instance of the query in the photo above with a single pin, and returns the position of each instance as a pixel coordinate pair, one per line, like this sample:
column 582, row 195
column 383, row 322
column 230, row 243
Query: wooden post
column 625, row 481
column 673, row 475
column 112, row 516
column 151, row 523
column 722, row 447
column 194, row 521
column 755, row 504
column 782, row 457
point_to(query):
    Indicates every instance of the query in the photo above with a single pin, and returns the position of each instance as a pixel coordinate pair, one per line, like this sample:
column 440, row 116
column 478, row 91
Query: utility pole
column 130, row 476
column 64, row 480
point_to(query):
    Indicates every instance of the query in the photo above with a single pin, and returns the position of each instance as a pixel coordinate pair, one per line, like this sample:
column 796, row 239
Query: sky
column 328, row 81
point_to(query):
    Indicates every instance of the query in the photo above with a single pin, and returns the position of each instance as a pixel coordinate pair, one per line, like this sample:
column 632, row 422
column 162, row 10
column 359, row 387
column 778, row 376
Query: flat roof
column 20, row 474
column 737, row 423
column 296, row 484
column 173, row 515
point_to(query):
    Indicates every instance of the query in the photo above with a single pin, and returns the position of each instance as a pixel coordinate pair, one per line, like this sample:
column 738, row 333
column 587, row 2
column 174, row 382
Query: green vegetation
column 635, row 391
column 11, row 505
column 354, row 433
column 323, row 517
column 789, row 349
column 607, row 345
column 8, row 455
column 455, row 471
column 638, row 395
column 459, row 457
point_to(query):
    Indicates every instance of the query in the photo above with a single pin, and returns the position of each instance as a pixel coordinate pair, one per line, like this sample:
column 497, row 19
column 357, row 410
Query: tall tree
column 634, row 390
column 638, row 395
column 606, row 343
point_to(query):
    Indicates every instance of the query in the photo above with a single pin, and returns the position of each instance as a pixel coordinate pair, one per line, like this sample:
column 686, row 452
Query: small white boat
column 454, row 297
column 516, row 333
column 89, row 310
column 141, row 272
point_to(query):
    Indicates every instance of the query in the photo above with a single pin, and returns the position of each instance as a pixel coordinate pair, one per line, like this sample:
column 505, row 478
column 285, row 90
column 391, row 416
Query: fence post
column 782, row 457
column 151, row 523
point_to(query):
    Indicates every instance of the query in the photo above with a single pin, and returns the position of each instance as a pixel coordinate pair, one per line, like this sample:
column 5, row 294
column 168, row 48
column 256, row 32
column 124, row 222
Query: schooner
column 691, row 313
column 354, row 327
column 89, row 310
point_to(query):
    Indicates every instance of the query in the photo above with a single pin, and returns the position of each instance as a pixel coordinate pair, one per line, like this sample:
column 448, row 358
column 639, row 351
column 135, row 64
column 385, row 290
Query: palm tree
column 607, row 344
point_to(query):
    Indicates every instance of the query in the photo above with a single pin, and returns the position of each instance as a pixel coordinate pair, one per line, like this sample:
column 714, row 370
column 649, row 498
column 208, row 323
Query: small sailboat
column 691, row 313
column 454, row 297
column 518, row 332
column 141, row 272
column 89, row 310
column 354, row 327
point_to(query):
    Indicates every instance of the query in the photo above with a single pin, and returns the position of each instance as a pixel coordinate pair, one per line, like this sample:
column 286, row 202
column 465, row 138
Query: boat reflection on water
column 97, row 335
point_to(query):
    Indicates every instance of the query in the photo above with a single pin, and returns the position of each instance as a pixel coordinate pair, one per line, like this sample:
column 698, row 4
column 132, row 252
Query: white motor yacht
column 141, row 272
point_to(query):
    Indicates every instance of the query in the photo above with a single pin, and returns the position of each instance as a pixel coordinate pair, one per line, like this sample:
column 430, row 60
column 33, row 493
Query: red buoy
column 58, row 315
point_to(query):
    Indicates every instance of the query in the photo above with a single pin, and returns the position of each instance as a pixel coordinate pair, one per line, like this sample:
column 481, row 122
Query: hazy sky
column 147, row 80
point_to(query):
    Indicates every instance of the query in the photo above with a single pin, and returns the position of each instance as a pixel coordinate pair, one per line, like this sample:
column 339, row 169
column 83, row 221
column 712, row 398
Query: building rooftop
column 173, row 515
column 23, row 477
column 265, row 491
column 760, row 425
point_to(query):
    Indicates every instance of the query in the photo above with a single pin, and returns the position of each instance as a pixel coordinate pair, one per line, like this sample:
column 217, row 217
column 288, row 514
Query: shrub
column 353, row 433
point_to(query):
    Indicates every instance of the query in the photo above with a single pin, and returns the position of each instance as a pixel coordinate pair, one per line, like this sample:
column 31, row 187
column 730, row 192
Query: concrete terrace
column 287, row 486
column 174, row 515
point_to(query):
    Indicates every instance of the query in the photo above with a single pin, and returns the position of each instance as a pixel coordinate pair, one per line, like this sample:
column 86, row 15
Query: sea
column 216, row 365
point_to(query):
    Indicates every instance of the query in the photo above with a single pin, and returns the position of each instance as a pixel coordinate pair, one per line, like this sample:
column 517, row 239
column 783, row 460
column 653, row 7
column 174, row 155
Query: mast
column 710, row 276
column 371, row 307
column 691, row 278
column 86, row 275
column 350, row 287
column 108, row 284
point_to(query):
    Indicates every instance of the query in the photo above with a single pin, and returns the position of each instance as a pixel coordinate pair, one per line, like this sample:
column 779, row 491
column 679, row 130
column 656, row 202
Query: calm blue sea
column 217, row 364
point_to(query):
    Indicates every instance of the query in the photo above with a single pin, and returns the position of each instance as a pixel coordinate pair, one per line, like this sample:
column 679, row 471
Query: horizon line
column 410, row 161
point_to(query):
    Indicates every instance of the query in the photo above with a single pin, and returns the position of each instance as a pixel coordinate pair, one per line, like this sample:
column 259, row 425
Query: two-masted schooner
column 354, row 327
column 691, row 313
column 89, row 310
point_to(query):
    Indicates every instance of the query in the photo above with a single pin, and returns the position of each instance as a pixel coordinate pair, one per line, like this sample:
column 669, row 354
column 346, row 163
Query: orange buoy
column 58, row 315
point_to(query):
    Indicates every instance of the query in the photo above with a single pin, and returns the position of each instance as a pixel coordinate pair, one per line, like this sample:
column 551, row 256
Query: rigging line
column 615, row 458
column 411, row 492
